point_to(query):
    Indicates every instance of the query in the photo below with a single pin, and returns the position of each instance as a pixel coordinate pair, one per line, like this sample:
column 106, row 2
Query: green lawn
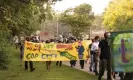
column 16, row 72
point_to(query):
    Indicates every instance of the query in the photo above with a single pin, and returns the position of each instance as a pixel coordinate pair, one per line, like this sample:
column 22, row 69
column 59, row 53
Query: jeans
column 95, row 60
column 92, row 62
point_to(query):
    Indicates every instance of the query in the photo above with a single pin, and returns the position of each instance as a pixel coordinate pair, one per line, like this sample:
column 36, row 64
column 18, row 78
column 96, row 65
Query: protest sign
column 55, row 51
column 122, row 51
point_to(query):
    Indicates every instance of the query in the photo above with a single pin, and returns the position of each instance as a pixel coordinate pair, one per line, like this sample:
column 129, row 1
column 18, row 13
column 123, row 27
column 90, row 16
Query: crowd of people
column 99, row 51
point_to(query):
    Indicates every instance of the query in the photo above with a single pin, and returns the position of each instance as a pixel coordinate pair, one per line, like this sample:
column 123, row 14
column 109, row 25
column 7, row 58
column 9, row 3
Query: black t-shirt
column 105, row 49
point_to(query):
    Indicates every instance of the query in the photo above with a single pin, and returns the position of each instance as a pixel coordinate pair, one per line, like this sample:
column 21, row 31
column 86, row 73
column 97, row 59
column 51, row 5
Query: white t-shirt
column 94, row 46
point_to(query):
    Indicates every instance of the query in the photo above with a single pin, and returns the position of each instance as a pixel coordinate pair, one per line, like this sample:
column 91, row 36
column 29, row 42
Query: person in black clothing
column 71, row 40
column 59, row 62
column 21, row 45
column 105, row 56
column 48, row 63
column 30, row 62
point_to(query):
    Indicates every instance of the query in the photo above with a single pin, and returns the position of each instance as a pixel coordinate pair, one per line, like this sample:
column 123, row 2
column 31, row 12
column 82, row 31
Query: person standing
column 94, row 49
column 105, row 56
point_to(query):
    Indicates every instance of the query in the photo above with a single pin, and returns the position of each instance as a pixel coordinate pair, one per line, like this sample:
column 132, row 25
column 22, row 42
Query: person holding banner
column 48, row 63
column 30, row 62
column 81, row 50
column 72, row 62
column 59, row 62
column 105, row 56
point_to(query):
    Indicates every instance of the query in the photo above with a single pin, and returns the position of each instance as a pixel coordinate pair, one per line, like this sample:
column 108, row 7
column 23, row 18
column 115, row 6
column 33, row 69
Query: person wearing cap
column 105, row 56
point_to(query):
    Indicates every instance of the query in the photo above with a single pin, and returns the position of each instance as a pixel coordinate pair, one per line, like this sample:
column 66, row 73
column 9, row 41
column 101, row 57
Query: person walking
column 91, row 56
column 70, row 40
column 30, row 62
column 48, row 63
column 94, row 49
column 105, row 56
column 81, row 50
column 21, row 45
column 59, row 62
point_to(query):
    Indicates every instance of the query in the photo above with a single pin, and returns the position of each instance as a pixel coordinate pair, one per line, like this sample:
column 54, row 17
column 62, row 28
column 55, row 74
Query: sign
column 122, row 51
column 55, row 52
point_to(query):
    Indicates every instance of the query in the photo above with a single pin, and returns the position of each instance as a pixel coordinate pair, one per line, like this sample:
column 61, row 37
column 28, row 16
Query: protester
column 21, row 45
column 94, row 49
column 16, row 41
column 59, row 62
column 91, row 54
column 81, row 50
column 105, row 56
column 48, row 63
column 72, row 62
column 30, row 62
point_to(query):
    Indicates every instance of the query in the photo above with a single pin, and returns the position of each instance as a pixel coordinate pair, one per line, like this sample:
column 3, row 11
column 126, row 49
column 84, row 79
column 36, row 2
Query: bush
column 4, row 55
column 4, row 49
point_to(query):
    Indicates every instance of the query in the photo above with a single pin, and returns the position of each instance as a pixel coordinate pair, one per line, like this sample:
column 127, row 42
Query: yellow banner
column 55, row 52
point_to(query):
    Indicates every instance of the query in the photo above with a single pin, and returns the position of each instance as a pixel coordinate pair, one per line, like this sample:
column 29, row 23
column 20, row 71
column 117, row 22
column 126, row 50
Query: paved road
column 86, row 69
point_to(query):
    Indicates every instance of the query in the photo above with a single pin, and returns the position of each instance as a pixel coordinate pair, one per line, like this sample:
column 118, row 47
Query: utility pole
column 57, row 24
column 90, row 32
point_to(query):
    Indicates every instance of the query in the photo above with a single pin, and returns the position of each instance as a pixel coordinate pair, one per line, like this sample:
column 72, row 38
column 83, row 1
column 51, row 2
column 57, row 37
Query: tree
column 17, row 16
column 119, row 15
column 79, row 18
column 97, row 23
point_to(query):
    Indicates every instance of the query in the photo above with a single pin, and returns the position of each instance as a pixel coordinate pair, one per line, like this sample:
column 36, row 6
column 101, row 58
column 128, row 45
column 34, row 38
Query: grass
column 16, row 72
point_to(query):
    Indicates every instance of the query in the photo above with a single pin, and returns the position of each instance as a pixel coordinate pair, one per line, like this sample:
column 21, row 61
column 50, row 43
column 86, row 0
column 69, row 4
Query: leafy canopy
column 119, row 15
column 79, row 18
